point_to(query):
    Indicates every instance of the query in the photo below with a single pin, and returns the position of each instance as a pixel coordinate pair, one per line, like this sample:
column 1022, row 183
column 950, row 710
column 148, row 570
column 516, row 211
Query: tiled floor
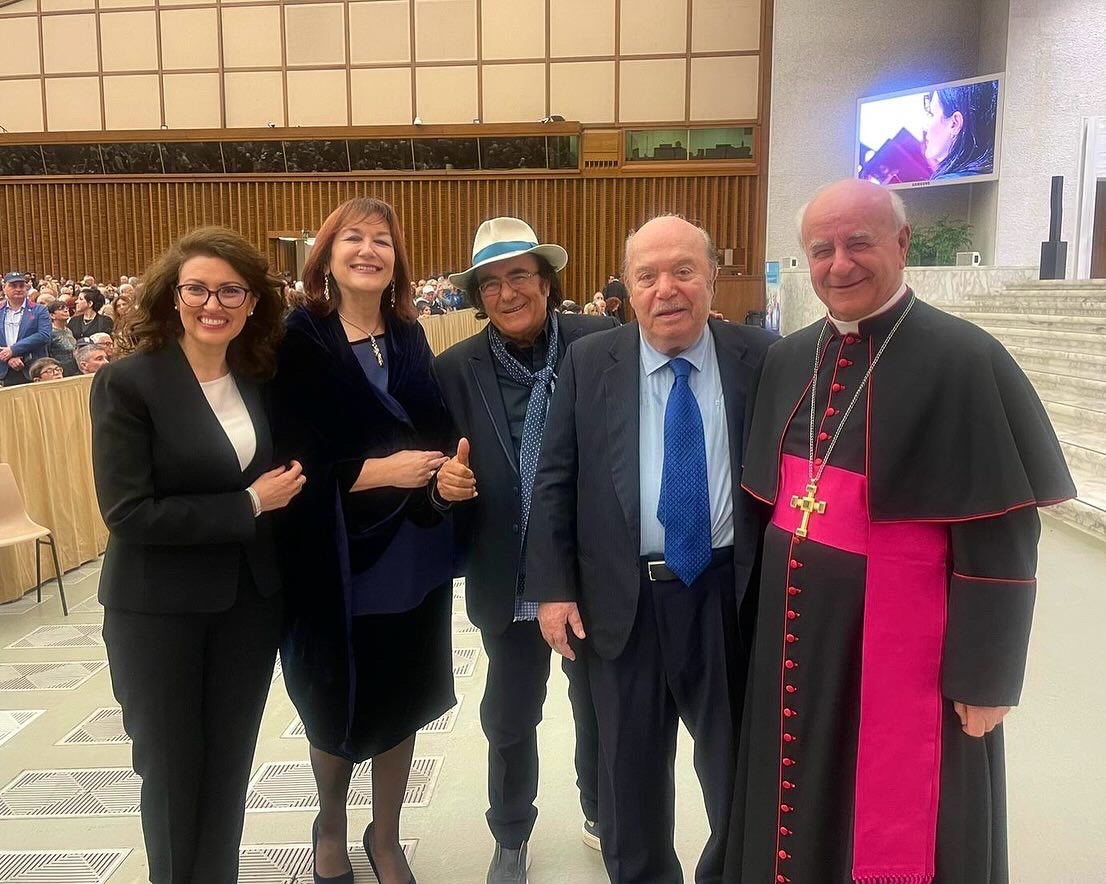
column 68, row 801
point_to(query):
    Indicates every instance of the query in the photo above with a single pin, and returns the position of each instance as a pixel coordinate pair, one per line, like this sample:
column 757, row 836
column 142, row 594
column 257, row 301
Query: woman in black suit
column 366, row 557
column 182, row 452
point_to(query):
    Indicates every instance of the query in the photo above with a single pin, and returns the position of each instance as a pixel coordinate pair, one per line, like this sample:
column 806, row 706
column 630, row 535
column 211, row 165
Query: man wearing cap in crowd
column 24, row 331
column 498, row 385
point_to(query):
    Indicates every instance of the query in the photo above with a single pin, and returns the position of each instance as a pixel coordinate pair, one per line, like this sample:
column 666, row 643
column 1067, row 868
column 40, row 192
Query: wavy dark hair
column 153, row 320
column 545, row 271
column 351, row 212
column 973, row 152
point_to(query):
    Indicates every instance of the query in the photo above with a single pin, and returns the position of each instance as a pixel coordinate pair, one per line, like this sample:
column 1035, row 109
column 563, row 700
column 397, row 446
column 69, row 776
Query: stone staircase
column 1056, row 330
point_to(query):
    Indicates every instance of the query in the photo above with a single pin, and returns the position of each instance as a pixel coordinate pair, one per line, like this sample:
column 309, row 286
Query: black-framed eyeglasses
column 518, row 280
column 195, row 295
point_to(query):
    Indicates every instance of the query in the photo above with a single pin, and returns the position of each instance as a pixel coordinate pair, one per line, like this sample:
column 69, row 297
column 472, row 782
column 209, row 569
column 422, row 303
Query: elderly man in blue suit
column 24, row 332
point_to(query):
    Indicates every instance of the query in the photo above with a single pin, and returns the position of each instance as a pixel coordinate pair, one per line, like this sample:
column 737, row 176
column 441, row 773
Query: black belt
column 656, row 570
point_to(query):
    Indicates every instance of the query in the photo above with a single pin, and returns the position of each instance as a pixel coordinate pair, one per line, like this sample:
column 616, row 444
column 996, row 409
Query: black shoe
column 509, row 866
column 366, row 841
column 344, row 878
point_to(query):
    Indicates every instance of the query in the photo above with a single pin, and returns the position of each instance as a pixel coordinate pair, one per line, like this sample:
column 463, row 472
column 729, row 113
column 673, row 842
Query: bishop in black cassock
column 898, row 577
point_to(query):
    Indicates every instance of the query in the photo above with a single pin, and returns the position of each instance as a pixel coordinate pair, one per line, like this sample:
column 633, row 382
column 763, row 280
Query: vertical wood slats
column 108, row 228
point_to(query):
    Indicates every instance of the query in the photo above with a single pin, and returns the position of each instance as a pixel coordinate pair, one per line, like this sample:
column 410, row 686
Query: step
column 997, row 302
column 1077, row 421
column 1040, row 322
column 1087, row 461
column 1065, row 342
column 1083, row 365
column 1081, row 515
column 1074, row 431
column 1081, row 392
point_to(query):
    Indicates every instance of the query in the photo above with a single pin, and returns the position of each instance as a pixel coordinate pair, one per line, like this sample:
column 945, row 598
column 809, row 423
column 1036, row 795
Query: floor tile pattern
column 64, row 676
column 12, row 721
column 291, row 863
column 290, row 785
column 104, row 727
column 62, row 635
column 47, row 794
column 464, row 661
column 59, row 866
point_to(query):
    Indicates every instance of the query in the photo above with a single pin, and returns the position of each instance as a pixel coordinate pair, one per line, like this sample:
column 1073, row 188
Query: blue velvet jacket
column 327, row 415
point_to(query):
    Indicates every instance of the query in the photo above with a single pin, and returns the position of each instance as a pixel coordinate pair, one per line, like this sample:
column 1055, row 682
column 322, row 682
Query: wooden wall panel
column 108, row 228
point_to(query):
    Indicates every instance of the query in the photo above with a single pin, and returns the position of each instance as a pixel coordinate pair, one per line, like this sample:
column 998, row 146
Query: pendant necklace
column 809, row 504
column 372, row 339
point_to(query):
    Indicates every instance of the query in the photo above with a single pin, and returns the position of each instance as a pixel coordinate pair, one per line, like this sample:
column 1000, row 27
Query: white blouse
column 226, row 401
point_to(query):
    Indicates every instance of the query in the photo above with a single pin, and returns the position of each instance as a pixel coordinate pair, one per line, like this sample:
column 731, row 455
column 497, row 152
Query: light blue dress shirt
column 706, row 383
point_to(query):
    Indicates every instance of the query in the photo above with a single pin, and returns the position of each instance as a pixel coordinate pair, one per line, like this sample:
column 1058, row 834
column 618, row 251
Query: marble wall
column 799, row 306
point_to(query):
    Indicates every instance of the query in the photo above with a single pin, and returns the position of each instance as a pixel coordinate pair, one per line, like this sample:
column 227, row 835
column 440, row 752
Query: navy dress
column 367, row 649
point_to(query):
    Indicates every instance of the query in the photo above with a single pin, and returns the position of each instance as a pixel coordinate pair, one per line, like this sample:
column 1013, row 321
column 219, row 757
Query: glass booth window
column 732, row 143
column 381, row 155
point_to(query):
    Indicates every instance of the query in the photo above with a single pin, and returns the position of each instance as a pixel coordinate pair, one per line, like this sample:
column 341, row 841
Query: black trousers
column 682, row 662
column 192, row 688
column 518, row 671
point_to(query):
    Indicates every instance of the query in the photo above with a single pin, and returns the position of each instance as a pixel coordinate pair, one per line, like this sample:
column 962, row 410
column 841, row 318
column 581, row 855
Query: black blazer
column 585, row 532
column 171, row 490
column 487, row 528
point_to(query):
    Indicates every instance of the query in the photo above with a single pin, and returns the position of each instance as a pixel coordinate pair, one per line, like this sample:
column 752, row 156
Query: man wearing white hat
column 498, row 385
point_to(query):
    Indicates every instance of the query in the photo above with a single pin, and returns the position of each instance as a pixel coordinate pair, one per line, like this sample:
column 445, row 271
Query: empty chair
column 17, row 527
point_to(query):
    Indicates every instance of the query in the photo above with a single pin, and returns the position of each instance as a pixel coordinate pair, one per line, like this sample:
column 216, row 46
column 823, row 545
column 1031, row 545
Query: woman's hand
column 411, row 469
column 456, row 481
column 277, row 487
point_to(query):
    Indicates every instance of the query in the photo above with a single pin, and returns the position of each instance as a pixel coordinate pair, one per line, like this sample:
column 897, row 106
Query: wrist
column 255, row 501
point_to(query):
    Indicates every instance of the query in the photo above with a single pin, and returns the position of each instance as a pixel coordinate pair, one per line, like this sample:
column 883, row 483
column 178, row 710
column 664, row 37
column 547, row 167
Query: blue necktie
column 684, row 504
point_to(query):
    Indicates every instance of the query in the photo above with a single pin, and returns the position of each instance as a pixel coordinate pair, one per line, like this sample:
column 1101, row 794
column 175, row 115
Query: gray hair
column 84, row 352
column 898, row 209
column 709, row 247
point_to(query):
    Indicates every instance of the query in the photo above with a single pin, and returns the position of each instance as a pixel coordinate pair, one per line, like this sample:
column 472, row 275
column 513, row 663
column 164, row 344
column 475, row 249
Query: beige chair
column 16, row 527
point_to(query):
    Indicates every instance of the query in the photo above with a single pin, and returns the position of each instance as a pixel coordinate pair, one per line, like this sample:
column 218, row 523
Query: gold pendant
column 809, row 506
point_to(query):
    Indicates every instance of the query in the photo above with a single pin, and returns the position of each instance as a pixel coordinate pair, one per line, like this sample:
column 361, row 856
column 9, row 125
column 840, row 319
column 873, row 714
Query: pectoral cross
column 809, row 506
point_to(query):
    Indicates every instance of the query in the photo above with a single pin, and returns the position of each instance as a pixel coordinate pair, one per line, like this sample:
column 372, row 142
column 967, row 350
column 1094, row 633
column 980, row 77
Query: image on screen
column 943, row 134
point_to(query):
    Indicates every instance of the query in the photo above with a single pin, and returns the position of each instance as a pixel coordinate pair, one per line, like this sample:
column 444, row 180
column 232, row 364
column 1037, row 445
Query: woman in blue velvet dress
column 367, row 556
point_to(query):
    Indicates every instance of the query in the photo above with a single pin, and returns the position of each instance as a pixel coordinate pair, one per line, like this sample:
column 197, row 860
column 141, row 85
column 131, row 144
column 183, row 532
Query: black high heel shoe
column 344, row 878
column 366, row 841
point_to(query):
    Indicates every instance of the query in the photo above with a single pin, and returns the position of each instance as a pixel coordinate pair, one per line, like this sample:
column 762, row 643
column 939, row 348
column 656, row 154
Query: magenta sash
column 898, row 765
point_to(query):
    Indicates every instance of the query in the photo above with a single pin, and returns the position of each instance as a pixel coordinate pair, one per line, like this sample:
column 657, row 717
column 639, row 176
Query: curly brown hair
column 153, row 320
column 351, row 212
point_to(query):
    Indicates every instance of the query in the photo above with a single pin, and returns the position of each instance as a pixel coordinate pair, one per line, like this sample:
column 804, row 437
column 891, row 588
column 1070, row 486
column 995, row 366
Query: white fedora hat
column 502, row 238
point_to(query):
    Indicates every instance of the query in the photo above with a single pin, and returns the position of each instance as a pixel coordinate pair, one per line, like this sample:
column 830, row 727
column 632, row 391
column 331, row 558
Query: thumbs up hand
column 456, row 481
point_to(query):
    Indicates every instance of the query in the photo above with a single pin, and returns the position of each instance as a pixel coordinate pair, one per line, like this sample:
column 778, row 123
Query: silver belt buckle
column 649, row 566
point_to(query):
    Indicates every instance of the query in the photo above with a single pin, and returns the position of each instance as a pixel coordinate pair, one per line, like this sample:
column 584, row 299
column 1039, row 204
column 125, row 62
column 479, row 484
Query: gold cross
column 809, row 506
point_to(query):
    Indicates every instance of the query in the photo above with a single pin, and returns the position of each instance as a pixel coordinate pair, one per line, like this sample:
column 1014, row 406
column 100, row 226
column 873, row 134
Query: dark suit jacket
column 171, row 490
column 487, row 528
column 33, row 339
column 585, row 532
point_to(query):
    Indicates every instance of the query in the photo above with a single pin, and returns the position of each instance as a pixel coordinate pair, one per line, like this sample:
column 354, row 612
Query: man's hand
column 456, row 481
column 5, row 354
column 15, row 363
column 553, row 618
column 977, row 720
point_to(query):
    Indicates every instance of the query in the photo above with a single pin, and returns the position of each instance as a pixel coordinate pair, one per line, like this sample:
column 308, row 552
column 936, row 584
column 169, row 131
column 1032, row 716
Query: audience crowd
column 86, row 315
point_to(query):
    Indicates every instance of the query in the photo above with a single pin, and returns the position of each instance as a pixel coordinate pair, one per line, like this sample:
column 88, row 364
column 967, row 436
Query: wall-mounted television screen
column 948, row 133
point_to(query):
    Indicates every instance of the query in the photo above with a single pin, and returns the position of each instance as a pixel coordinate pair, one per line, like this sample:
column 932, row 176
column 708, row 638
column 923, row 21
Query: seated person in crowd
column 103, row 339
column 91, row 358
column 87, row 319
column 569, row 307
column 46, row 369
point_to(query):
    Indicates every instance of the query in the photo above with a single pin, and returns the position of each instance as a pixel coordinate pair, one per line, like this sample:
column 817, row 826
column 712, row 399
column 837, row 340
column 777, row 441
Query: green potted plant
column 936, row 244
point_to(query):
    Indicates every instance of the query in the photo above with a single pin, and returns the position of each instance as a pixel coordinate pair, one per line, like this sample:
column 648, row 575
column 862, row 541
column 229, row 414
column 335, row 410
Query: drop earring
column 326, row 288
column 393, row 293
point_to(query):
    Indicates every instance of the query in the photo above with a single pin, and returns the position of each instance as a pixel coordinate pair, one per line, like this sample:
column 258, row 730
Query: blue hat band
column 501, row 248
